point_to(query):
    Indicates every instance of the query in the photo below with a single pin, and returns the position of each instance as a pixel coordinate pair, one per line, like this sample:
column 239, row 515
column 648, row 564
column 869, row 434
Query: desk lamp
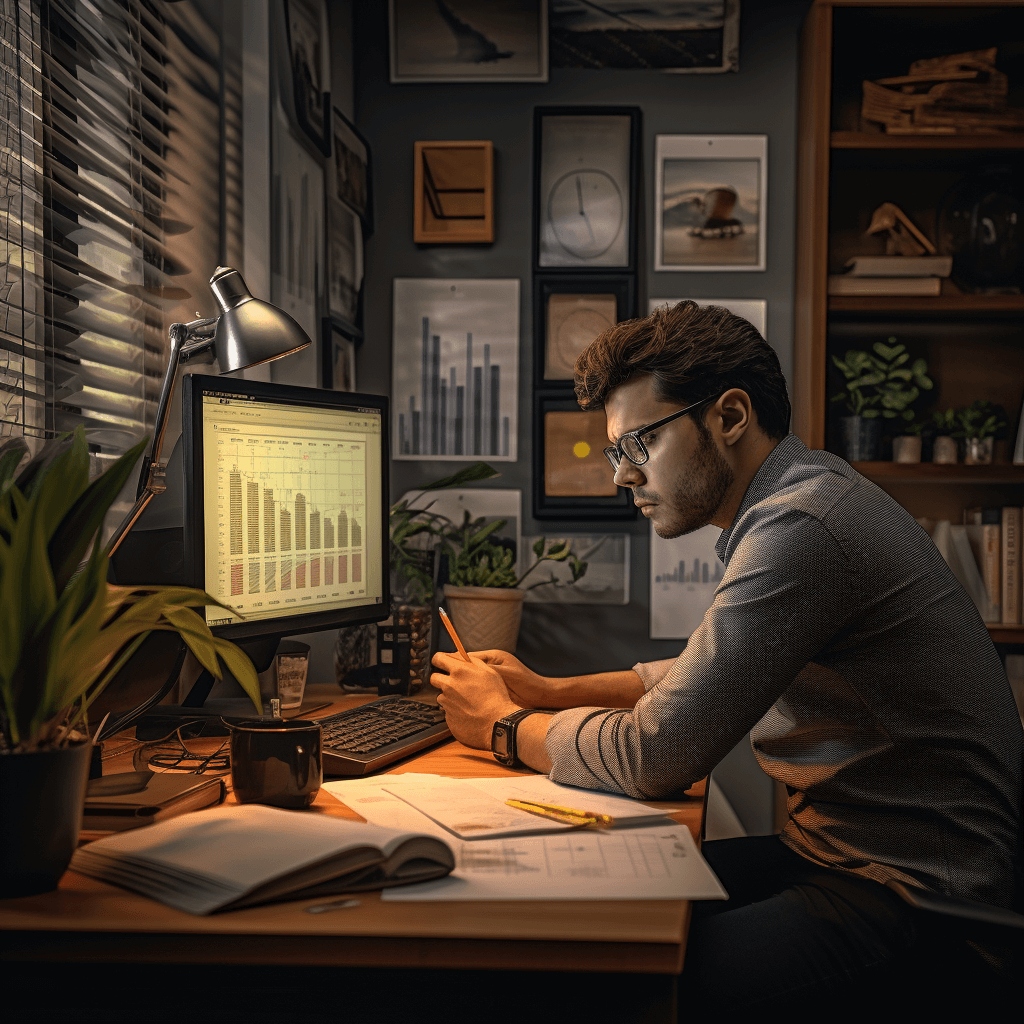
column 247, row 332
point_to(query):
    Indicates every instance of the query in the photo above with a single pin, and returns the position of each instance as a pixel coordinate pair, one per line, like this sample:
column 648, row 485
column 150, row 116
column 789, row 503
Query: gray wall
column 759, row 99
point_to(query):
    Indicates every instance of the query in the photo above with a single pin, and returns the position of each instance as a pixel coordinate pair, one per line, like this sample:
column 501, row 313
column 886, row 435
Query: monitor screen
column 286, row 504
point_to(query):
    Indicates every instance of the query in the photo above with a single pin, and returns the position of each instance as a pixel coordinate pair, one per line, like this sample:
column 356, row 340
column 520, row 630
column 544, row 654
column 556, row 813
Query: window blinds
column 111, row 184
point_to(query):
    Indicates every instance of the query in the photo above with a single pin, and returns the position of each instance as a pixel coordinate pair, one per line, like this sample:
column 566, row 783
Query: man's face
column 683, row 483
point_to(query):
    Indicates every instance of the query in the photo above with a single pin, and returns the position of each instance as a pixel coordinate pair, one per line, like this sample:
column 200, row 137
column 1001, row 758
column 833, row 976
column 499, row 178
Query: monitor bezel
column 192, row 465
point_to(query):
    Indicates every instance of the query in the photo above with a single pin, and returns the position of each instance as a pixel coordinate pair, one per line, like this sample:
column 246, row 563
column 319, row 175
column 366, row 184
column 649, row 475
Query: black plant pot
column 860, row 438
column 41, row 800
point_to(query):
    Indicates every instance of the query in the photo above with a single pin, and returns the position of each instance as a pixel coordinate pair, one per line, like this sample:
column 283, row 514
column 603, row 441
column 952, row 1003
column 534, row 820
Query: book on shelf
column 114, row 803
column 899, row 266
column 237, row 856
column 1011, row 565
column 955, row 547
column 844, row 284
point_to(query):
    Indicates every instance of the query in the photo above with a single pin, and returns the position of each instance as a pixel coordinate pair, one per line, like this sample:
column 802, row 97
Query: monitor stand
column 199, row 714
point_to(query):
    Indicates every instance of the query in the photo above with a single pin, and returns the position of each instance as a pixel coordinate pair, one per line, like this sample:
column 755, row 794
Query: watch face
column 584, row 190
column 501, row 739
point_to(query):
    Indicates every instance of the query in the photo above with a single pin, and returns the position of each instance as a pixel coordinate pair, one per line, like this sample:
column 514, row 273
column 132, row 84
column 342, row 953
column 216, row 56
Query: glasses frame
column 614, row 453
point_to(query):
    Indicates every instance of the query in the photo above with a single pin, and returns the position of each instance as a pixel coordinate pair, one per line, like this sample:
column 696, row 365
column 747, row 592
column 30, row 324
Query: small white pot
column 906, row 448
column 978, row 450
column 944, row 450
column 486, row 618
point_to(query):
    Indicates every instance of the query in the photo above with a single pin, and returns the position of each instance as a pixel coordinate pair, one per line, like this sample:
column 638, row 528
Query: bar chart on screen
column 455, row 369
column 290, row 514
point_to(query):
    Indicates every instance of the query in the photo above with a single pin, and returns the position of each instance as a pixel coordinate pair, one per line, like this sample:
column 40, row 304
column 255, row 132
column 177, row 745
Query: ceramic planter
column 944, row 450
column 41, row 800
column 486, row 618
column 978, row 451
column 906, row 448
column 860, row 438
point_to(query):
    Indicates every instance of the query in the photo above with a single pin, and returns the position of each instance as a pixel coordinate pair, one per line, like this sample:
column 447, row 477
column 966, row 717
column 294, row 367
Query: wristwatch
column 503, row 737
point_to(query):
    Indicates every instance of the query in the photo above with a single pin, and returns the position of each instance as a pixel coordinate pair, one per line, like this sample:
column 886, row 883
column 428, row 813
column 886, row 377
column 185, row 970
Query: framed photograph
column 307, row 33
column 469, row 41
column 569, row 313
column 339, row 357
column 606, row 580
column 296, row 227
column 453, row 192
column 455, row 369
column 754, row 310
column 586, row 177
column 687, row 38
column 710, row 202
column 344, row 262
column 351, row 182
column 572, row 479
column 685, row 573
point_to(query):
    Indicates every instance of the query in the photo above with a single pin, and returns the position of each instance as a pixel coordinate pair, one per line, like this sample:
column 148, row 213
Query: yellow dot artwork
column 581, row 449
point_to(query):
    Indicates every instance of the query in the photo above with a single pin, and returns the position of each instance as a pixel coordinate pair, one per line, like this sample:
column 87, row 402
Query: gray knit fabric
column 842, row 642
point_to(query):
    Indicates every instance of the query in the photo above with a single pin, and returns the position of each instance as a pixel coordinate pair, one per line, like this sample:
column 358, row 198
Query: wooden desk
column 88, row 922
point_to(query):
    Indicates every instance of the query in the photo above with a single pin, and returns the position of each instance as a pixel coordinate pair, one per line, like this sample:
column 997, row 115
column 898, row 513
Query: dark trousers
column 791, row 932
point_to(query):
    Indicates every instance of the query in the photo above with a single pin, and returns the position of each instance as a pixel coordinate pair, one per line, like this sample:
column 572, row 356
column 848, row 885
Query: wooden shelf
column 966, row 304
column 1006, row 634
column 879, row 140
column 937, row 473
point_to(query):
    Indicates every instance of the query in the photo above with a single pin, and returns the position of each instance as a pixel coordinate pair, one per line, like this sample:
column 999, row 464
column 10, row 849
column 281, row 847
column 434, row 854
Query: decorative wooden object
column 453, row 200
column 904, row 239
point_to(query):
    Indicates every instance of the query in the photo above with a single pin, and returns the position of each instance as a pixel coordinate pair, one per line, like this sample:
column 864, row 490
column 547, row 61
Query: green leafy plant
column 880, row 383
column 65, row 632
column 944, row 422
column 980, row 419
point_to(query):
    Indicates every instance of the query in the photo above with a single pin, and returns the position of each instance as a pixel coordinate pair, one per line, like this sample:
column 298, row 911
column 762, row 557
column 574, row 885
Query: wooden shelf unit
column 845, row 167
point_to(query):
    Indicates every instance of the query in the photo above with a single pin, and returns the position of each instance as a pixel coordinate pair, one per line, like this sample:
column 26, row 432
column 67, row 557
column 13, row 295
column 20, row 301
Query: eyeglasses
column 631, row 445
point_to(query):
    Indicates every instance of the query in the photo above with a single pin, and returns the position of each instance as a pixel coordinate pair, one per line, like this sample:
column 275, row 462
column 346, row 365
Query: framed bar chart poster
column 685, row 573
column 455, row 378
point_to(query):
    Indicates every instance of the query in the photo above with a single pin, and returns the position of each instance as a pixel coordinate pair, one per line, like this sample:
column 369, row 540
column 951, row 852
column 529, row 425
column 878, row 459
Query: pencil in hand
column 455, row 636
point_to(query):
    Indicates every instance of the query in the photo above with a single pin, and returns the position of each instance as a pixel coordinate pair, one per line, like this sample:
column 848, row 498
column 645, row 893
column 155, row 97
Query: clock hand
column 589, row 228
column 579, row 195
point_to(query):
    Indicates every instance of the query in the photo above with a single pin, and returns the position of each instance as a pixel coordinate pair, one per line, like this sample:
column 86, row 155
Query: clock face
column 585, row 212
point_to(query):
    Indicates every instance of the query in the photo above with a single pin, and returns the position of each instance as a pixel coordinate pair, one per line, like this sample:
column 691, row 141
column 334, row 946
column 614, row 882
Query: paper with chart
column 648, row 862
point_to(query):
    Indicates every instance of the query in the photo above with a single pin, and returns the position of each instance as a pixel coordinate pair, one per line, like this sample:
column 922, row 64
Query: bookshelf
column 846, row 167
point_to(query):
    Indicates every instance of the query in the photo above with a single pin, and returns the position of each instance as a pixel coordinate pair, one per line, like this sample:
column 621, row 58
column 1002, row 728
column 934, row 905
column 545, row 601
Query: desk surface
column 88, row 920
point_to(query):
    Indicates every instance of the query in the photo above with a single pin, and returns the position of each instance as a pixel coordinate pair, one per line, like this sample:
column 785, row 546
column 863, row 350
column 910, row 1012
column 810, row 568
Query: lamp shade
column 250, row 331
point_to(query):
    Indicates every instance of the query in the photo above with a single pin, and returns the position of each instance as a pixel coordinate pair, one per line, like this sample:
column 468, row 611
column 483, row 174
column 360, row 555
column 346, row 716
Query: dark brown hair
column 692, row 352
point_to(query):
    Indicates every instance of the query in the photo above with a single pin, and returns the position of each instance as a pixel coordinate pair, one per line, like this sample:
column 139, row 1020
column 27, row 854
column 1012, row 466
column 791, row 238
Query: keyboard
column 366, row 738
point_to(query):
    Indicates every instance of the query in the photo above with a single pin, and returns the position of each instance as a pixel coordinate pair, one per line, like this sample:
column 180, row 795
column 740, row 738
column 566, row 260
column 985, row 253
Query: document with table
column 503, row 853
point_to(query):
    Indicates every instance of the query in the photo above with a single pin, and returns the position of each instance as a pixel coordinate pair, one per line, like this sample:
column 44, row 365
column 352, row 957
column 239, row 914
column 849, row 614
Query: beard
column 693, row 504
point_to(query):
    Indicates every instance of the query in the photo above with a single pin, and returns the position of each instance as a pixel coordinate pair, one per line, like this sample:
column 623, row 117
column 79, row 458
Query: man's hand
column 524, row 686
column 473, row 697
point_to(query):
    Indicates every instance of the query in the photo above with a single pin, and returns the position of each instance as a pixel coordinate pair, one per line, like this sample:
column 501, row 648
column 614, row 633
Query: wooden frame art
column 453, row 192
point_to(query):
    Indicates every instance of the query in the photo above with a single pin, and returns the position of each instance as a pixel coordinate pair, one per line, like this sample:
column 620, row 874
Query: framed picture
column 572, row 479
column 339, row 357
column 754, row 310
column 469, row 41
column 453, row 192
column 344, row 262
column 685, row 573
column 455, row 369
column 710, row 202
column 307, row 33
column 606, row 580
column 569, row 313
column 296, row 226
column 351, row 181
column 586, row 179
column 687, row 38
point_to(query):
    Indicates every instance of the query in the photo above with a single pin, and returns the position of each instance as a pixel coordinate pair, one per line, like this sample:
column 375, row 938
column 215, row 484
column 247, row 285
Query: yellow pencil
column 455, row 636
column 566, row 815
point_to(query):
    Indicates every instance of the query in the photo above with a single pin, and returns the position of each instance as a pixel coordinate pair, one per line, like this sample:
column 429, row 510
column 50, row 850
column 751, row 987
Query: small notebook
column 234, row 856
column 130, row 799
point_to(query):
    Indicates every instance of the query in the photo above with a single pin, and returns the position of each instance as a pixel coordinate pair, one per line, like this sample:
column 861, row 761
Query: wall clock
column 585, row 161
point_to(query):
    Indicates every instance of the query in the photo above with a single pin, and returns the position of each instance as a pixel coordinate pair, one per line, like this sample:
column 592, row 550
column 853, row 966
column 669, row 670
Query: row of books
column 984, row 553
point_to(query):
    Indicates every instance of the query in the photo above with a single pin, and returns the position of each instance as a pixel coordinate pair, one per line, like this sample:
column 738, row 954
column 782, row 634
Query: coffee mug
column 276, row 762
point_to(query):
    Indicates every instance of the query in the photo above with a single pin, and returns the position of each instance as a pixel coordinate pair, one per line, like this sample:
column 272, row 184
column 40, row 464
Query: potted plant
column 879, row 386
column 65, row 632
column 944, row 448
column 484, row 595
column 978, row 425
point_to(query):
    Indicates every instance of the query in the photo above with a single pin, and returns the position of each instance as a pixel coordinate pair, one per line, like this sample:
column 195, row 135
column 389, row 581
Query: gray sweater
column 842, row 642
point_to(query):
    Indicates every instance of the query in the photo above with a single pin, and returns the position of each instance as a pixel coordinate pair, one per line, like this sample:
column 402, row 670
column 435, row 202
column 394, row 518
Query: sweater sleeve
column 652, row 672
column 786, row 592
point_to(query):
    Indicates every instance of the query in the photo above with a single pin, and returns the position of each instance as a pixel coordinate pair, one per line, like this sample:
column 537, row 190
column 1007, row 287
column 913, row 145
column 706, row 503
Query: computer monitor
column 277, row 505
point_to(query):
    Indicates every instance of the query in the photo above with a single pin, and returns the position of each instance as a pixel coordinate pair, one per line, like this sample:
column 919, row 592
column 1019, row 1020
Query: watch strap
column 511, row 723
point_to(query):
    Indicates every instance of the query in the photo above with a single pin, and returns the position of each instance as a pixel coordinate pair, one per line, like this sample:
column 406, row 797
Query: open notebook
column 237, row 856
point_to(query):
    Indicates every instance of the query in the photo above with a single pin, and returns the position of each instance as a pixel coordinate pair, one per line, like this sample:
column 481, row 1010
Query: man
column 838, row 638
